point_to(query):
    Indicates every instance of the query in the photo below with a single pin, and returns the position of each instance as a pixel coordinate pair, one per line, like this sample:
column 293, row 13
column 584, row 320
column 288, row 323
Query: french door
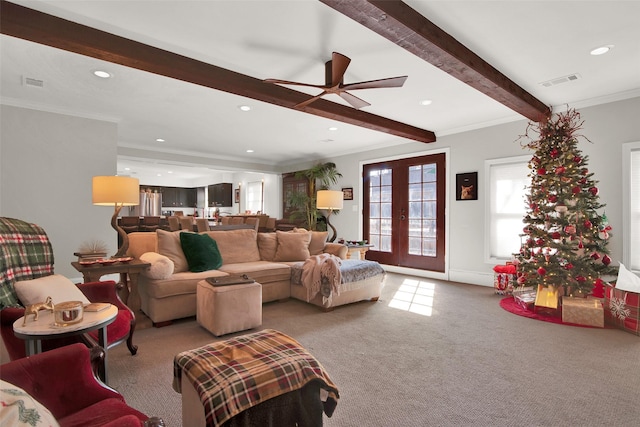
column 404, row 211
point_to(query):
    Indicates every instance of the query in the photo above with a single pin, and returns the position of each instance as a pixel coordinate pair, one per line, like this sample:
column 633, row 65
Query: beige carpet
column 455, row 359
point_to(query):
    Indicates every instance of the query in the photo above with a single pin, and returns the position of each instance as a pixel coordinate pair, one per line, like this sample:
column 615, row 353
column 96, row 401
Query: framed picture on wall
column 347, row 193
column 467, row 186
column 237, row 195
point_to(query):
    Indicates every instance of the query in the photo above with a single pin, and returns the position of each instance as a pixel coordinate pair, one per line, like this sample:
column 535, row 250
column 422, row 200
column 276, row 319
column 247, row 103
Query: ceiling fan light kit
column 334, row 83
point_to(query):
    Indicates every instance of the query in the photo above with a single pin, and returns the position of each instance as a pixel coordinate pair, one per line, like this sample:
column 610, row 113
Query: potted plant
column 320, row 177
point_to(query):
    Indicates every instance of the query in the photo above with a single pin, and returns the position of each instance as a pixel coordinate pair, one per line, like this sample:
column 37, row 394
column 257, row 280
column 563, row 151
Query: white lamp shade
column 329, row 199
column 112, row 190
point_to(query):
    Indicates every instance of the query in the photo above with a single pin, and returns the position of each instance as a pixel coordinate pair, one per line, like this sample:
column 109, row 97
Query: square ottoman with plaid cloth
column 265, row 377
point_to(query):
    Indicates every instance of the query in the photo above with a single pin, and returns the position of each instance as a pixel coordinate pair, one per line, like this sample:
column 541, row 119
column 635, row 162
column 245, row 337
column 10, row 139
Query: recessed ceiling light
column 127, row 169
column 244, row 108
column 333, row 128
column 426, row 102
column 159, row 174
column 249, row 151
column 159, row 140
column 102, row 74
column 169, row 171
column 601, row 50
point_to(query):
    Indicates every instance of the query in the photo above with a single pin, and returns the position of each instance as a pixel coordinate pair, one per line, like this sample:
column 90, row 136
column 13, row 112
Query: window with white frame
column 254, row 196
column 631, row 205
column 506, row 181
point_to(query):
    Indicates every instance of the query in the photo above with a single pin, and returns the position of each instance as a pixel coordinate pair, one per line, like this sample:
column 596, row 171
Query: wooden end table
column 360, row 250
column 129, row 273
column 34, row 331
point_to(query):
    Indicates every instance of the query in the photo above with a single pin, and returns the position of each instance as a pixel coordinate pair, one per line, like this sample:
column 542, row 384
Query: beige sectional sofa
column 168, row 289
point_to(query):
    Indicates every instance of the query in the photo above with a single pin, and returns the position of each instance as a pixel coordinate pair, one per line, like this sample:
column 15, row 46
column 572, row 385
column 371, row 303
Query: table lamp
column 118, row 191
column 330, row 200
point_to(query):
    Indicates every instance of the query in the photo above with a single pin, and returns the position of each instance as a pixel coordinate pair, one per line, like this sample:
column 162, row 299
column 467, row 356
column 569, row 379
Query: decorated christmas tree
column 565, row 236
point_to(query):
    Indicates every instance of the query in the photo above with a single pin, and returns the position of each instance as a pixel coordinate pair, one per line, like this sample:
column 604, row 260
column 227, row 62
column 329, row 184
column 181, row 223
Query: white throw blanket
column 319, row 270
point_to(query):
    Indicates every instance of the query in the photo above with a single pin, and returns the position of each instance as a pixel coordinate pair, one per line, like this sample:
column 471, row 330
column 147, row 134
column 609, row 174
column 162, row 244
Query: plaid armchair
column 25, row 254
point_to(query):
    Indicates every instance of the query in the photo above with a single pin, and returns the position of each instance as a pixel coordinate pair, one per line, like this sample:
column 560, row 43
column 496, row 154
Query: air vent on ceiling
column 560, row 80
column 29, row 81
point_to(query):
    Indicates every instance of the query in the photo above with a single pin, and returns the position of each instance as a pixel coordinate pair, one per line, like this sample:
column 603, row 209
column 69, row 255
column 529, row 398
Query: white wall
column 47, row 162
column 608, row 126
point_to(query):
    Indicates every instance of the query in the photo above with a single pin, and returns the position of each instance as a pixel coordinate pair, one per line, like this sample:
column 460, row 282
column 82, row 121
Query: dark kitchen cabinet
column 220, row 195
column 176, row 197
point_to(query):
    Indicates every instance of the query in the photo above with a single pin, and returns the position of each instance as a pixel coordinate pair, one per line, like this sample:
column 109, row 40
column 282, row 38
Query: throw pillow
column 292, row 246
column 237, row 245
column 161, row 266
column 169, row 245
column 318, row 239
column 20, row 409
column 56, row 286
column 267, row 245
column 201, row 251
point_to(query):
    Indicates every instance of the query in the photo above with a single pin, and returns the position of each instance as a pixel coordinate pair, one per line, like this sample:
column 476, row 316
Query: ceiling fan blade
column 287, row 82
column 339, row 64
column 355, row 102
column 374, row 84
column 310, row 100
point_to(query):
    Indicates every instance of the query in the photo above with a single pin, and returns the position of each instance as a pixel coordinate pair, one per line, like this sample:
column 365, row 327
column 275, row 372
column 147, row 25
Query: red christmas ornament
column 570, row 229
column 593, row 190
column 577, row 159
column 575, row 190
column 542, row 171
column 587, row 224
column 554, row 153
column 581, row 279
column 555, row 235
column 584, row 171
column 595, row 255
column 583, row 181
column 560, row 170
column 553, row 198
column 606, row 260
column 539, row 242
column 542, row 271
column 568, row 266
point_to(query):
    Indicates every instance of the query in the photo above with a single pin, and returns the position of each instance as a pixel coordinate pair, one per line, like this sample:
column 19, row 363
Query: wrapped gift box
column 582, row 311
column 504, row 279
column 525, row 297
column 622, row 308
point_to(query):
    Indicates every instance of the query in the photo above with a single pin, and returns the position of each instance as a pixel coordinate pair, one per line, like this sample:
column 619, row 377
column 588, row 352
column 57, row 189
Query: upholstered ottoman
column 231, row 308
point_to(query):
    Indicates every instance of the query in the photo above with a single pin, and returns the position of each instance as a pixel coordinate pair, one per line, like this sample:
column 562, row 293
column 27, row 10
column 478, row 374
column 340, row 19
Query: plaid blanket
column 25, row 253
column 233, row 375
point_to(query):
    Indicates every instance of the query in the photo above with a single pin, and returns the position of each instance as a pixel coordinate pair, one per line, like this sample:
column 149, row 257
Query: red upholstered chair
column 64, row 381
column 27, row 254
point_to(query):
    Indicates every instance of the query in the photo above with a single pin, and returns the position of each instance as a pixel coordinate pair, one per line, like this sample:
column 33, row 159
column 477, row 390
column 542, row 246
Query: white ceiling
column 528, row 41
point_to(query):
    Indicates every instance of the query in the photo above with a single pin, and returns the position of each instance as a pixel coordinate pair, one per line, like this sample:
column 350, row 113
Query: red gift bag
column 622, row 308
column 504, row 279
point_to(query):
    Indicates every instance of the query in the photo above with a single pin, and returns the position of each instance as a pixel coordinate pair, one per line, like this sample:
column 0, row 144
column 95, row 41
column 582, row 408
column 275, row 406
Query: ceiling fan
column 334, row 74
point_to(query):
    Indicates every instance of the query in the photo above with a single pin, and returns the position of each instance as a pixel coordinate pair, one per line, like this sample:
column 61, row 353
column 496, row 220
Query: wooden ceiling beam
column 398, row 22
column 28, row 24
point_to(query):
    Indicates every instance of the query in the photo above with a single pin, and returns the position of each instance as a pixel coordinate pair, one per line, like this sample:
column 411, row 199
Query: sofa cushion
column 141, row 242
column 183, row 283
column 161, row 266
column 292, row 246
column 236, row 245
column 56, row 286
column 267, row 245
column 261, row 271
column 169, row 245
column 201, row 252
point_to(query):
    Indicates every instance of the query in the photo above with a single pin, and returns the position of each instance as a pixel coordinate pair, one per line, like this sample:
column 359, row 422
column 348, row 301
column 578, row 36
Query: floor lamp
column 330, row 200
column 116, row 191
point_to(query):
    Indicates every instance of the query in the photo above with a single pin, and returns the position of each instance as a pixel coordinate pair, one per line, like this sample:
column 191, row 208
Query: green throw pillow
column 201, row 252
